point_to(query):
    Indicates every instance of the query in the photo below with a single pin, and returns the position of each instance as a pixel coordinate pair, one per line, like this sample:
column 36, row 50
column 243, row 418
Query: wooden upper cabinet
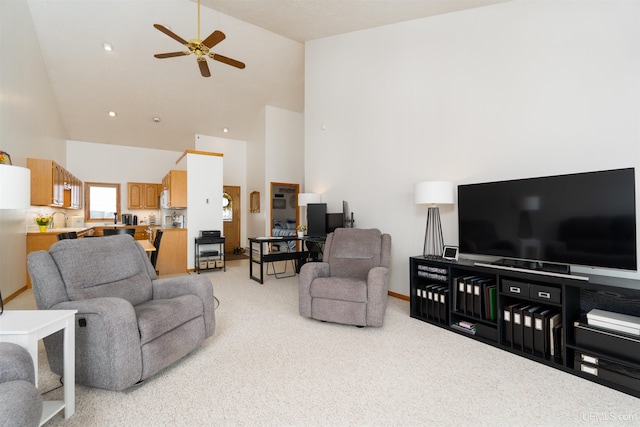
column 53, row 185
column 176, row 182
column 143, row 195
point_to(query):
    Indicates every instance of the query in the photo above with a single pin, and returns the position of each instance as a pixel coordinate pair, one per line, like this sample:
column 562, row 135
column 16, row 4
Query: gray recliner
column 20, row 401
column 130, row 324
column 351, row 284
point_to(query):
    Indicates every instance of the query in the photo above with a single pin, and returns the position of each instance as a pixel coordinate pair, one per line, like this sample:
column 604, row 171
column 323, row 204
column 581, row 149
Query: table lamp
column 15, row 193
column 433, row 193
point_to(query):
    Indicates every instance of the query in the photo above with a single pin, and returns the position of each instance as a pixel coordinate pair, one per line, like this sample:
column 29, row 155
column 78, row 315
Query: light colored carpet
column 267, row 366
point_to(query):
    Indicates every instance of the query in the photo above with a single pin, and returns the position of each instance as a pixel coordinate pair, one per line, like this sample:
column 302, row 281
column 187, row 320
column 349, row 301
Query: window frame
column 87, row 200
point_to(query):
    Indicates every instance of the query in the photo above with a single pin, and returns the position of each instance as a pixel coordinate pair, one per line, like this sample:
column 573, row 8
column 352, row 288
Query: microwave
column 164, row 199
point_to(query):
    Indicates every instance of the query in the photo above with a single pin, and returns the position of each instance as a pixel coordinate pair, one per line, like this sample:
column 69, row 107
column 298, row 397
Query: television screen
column 577, row 219
column 334, row 220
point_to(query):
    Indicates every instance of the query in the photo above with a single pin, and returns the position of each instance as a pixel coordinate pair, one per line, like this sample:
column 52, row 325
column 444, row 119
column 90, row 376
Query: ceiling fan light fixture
column 225, row 130
column 156, row 119
column 112, row 114
column 200, row 48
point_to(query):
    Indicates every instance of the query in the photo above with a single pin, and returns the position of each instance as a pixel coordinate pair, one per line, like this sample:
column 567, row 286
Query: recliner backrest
column 124, row 270
column 352, row 252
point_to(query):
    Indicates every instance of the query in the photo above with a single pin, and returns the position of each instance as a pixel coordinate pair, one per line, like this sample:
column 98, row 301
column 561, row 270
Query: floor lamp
column 433, row 193
column 304, row 199
column 15, row 193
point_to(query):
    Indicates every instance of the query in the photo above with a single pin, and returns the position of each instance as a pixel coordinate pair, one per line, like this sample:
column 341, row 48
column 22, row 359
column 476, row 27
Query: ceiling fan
column 201, row 48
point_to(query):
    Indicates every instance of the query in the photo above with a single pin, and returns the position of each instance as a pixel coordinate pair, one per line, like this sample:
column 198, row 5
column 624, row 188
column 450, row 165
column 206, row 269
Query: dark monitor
column 316, row 219
column 334, row 220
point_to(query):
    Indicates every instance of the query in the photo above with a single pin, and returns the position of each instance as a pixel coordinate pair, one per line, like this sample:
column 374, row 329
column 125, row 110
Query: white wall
column 513, row 90
column 256, row 222
column 234, row 171
column 29, row 126
column 204, row 197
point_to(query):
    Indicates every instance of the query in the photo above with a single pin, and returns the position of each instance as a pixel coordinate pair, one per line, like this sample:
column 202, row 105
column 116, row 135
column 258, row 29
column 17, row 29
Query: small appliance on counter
column 127, row 219
column 171, row 219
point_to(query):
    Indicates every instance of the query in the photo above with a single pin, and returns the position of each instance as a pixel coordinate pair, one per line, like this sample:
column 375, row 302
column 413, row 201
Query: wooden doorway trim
column 232, row 229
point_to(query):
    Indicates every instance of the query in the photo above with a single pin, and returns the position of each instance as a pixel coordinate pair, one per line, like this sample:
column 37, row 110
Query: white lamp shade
column 433, row 193
column 15, row 187
column 305, row 198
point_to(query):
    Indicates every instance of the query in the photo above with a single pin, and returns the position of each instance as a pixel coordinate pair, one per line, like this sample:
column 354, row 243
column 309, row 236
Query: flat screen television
column 586, row 219
column 334, row 220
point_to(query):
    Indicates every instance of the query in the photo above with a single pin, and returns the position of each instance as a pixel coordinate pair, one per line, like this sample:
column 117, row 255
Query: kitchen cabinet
column 142, row 195
column 176, row 182
column 53, row 185
column 172, row 256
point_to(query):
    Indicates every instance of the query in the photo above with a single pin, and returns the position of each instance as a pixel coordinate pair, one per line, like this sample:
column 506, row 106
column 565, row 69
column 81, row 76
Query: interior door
column 231, row 217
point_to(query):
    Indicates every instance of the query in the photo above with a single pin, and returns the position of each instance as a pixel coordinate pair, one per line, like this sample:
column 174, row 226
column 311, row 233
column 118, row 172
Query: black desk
column 263, row 257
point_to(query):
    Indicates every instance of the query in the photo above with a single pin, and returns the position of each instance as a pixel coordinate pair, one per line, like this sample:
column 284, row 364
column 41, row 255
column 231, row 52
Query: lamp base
column 433, row 241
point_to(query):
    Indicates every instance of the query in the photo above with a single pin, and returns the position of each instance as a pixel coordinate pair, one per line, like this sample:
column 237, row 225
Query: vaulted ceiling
column 163, row 103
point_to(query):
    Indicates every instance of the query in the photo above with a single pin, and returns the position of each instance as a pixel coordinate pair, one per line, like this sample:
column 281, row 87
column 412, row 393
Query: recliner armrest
column 377, row 295
column 308, row 273
column 107, row 343
column 198, row 285
column 15, row 363
column 378, row 275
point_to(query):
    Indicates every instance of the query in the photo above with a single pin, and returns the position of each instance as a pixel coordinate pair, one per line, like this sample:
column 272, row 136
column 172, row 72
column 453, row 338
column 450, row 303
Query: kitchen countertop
column 59, row 230
column 36, row 231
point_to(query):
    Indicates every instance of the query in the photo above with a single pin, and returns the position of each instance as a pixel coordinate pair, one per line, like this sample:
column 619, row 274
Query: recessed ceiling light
column 107, row 46
column 225, row 130
column 112, row 113
column 156, row 119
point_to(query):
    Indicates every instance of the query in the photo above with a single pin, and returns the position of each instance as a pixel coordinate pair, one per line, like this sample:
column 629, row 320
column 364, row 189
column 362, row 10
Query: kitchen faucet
column 54, row 215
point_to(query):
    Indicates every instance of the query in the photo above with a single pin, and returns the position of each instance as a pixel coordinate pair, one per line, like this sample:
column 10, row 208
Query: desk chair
column 282, row 274
column 114, row 231
column 156, row 244
column 68, row 235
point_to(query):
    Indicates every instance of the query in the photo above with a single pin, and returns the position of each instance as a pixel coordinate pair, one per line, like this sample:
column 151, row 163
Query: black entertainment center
column 529, row 302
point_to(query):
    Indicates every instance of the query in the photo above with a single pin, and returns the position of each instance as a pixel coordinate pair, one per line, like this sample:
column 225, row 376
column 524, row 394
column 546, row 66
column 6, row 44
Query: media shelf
column 537, row 316
column 209, row 254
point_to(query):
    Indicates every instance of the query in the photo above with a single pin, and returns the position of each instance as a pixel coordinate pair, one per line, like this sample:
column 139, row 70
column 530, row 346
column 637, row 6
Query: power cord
column 54, row 389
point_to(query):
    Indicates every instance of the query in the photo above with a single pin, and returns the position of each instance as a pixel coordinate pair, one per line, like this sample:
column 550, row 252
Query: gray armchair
column 351, row 284
column 20, row 401
column 129, row 324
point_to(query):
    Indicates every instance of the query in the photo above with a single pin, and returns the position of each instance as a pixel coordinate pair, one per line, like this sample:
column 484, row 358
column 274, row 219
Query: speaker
column 316, row 219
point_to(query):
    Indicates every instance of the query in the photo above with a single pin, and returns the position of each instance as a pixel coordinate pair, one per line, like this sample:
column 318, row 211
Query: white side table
column 26, row 328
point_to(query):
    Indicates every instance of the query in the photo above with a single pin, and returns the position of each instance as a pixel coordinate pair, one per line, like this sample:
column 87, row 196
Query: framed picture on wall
column 279, row 203
column 255, row 202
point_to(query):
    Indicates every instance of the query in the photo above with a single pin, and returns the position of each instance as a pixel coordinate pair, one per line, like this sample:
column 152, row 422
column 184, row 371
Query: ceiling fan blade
column 213, row 39
column 171, row 34
column 204, row 68
column 171, row 54
column 227, row 61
